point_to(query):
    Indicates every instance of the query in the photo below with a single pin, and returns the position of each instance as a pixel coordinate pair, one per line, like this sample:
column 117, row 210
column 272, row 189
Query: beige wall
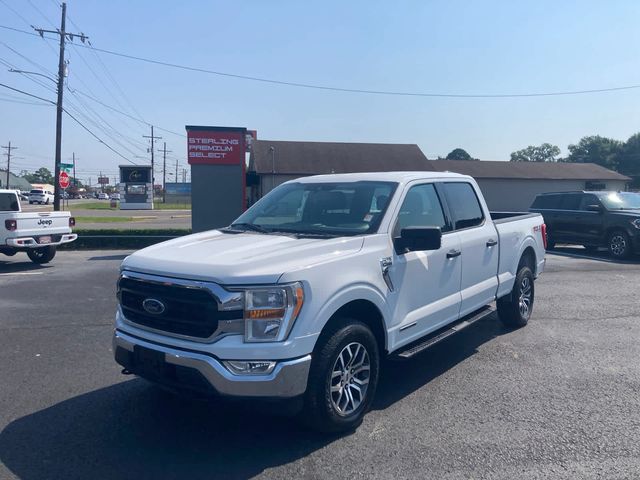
column 517, row 195
column 501, row 194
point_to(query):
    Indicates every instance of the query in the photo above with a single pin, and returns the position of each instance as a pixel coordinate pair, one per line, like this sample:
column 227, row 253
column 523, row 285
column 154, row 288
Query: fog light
column 253, row 367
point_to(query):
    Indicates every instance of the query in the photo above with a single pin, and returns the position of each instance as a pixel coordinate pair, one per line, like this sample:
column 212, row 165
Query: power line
column 72, row 117
column 351, row 90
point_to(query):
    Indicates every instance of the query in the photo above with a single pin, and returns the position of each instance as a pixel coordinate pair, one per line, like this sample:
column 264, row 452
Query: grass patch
column 107, row 219
column 105, row 205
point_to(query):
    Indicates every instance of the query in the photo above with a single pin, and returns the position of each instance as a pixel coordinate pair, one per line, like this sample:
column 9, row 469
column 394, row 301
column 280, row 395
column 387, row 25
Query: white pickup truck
column 305, row 292
column 37, row 233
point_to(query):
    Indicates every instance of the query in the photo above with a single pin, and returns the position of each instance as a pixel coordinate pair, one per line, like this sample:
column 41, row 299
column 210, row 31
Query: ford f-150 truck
column 37, row 233
column 306, row 291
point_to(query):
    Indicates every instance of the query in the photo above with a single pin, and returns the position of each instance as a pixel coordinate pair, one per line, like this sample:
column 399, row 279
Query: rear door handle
column 492, row 242
column 453, row 253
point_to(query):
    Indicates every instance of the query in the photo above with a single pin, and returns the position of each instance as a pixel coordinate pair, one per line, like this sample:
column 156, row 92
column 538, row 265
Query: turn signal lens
column 270, row 312
column 72, row 222
column 11, row 225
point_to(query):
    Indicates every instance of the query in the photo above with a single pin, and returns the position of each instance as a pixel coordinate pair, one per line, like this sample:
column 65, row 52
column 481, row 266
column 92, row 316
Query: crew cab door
column 426, row 284
column 479, row 247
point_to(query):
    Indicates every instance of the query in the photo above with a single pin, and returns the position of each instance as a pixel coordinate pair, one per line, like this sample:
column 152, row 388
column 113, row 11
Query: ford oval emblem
column 153, row 306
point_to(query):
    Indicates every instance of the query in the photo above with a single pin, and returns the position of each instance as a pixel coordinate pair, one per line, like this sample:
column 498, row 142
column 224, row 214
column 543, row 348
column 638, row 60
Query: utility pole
column 164, row 172
column 75, row 182
column 64, row 35
column 153, row 173
column 184, row 175
column 8, row 154
column 176, row 177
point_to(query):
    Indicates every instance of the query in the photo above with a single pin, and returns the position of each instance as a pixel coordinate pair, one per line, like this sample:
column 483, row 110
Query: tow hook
column 126, row 372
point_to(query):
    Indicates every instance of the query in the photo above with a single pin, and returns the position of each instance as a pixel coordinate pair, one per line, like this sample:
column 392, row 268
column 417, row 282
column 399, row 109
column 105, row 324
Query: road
column 142, row 219
column 557, row 399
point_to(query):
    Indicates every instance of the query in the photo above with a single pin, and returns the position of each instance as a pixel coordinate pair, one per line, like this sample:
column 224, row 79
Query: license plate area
column 44, row 240
column 149, row 361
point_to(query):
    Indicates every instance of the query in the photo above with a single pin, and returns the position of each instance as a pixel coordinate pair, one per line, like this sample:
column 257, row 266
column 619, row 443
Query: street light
column 13, row 70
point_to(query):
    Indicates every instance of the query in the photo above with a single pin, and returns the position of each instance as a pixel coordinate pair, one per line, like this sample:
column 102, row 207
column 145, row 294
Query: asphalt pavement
column 557, row 399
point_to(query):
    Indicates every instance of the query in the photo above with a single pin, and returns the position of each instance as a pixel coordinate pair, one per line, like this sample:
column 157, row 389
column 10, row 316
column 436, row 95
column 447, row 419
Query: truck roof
column 3, row 190
column 401, row 177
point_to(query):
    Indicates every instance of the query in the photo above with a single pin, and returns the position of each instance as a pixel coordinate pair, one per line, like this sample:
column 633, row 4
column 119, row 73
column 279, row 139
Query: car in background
column 40, row 196
column 24, row 196
column 592, row 219
column 103, row 196
column 115, row 196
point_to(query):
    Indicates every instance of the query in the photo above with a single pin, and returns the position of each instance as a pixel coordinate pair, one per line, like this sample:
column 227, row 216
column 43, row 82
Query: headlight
column 269, row 312
column 636, row 223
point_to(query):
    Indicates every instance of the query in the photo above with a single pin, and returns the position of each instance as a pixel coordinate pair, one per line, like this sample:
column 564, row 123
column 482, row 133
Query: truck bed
column 505, row 217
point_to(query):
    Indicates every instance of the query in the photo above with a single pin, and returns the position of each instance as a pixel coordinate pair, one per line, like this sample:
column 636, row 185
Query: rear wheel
column 619, row 245
column 514, row 310
column 42, row 255
column 343, row 377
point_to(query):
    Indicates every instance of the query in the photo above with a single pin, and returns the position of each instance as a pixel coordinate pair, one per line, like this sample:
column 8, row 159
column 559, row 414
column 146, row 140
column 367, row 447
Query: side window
column 421, row 208
column 588, row 199
column 546, row 201
column 571, row 201
column 464, row 205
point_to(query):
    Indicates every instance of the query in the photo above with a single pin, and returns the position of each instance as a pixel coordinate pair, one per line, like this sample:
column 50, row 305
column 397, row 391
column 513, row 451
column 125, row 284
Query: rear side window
column 547, row 202
column 571, row 201
column 8, row 202
column 36, row 191
column 464, row 205
column 421, row 208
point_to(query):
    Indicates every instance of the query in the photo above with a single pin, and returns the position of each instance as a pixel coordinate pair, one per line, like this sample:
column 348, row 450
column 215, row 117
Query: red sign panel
column 64, row 180
column 213, row 147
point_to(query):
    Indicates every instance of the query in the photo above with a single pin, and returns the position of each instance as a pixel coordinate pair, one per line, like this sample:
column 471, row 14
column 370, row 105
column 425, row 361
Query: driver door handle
column 453, row 253
column 492, row 242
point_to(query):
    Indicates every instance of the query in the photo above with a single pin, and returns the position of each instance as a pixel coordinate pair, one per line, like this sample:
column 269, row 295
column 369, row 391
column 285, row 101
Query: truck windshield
column 9, row 202
column 621, row 201
column 345, row 208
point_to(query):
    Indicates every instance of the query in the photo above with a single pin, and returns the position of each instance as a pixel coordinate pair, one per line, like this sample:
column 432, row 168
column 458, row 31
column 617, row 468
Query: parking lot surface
column 557, row 399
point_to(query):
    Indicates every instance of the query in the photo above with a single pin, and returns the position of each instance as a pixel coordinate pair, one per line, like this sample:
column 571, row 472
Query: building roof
column 15, row 182
column 528, row 170
column 312, row 158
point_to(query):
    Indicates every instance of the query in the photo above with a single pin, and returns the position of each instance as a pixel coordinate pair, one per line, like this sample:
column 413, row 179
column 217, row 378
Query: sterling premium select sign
column 215, row 145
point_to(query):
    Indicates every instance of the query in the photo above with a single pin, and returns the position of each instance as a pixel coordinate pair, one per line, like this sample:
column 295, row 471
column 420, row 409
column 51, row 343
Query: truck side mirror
column 594, row 208
column 418, row 239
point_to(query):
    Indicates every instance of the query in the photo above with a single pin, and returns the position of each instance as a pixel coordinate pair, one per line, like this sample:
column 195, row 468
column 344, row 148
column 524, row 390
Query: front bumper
column 33, row 242
column 205, row 374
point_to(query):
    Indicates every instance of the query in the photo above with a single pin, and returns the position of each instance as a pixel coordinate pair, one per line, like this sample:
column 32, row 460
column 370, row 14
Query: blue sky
column 461, row 47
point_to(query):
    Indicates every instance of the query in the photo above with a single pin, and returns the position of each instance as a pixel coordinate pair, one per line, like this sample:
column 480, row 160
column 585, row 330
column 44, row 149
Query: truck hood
column 237, row 259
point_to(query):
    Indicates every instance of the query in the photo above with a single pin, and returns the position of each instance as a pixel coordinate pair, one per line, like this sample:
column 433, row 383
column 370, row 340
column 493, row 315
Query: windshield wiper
column 249, row 226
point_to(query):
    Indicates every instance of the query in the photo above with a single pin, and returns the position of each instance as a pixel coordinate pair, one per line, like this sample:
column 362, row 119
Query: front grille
column 188, row 311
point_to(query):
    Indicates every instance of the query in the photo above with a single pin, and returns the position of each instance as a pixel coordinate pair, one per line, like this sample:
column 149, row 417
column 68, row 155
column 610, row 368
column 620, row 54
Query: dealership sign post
column 217, row 159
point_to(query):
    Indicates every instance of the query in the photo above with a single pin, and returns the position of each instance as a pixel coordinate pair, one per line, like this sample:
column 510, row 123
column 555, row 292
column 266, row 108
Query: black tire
column 42, row 255
column 321, row 409
column 47, row 202
column 30, row 203
column 619, row 245
column 514, row 310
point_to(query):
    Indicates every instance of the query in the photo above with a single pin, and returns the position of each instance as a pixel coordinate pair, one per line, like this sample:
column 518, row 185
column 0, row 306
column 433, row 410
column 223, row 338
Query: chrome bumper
column 31, row 242
column 288, row 378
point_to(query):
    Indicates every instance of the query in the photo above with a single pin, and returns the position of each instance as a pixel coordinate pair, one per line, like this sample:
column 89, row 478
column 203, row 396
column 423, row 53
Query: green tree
column 629, row 159
column 42, row 175
column 459, row 154
column 544, row 153
column 596, row 149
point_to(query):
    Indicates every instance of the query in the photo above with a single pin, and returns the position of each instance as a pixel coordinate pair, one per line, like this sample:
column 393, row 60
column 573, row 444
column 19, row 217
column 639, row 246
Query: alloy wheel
column 618, row 245
column 350, row 378
column 525, row 299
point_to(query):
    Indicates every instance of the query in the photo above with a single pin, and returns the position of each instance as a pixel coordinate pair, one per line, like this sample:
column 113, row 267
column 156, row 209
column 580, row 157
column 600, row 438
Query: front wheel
column 343, row 377
column 42, row 255
column 619, row 245
column 514, row 310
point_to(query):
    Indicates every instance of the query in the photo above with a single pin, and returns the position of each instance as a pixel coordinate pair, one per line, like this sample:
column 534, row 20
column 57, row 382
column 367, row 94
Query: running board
column 423, row 343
